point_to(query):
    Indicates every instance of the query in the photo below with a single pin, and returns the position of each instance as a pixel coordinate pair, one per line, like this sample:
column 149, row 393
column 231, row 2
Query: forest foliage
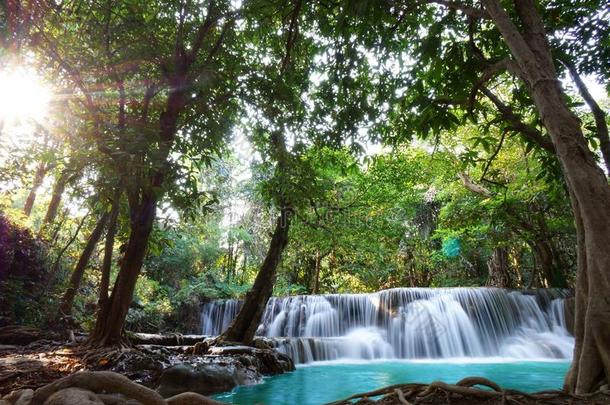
column 393, row 184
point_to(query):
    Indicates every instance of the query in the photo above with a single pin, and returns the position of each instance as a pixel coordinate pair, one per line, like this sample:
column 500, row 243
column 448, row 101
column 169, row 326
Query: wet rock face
column 223, row 369
column 266, row 361
column 201, row 378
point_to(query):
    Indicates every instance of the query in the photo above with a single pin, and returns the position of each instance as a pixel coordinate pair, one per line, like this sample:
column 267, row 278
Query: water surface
column 324, row 382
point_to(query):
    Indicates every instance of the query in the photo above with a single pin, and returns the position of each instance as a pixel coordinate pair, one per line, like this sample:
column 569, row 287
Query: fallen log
column 173, row 339
column 20, row 335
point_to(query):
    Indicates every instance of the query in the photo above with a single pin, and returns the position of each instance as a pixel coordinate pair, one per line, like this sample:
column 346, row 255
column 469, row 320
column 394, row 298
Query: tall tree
column 451, row 77
column 148, row 107
column 276, row 96
column 586, row 183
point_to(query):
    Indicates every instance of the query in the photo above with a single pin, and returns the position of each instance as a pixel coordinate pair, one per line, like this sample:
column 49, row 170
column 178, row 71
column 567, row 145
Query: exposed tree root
column 381, row 391
column 466, row 392
column 401, row 397
column 472, row 381
column 99, row 387
column 97, row 382
column 108, row 355
column 191, row 398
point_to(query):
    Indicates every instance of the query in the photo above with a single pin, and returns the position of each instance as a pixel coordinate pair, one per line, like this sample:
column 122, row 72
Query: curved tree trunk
column 588, row 187
column 65, row 307
column 243, row 328
column 111, row 316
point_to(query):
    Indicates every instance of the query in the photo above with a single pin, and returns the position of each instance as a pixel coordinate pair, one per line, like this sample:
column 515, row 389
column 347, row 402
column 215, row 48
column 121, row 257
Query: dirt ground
column 36, row 364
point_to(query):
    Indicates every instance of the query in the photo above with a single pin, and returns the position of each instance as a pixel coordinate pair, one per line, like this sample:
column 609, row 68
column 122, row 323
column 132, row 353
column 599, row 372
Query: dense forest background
column 401, row 149
column 402, row 217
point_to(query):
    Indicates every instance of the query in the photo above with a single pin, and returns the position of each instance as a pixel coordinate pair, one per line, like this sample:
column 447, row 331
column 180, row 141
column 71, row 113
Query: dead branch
column 472, row 186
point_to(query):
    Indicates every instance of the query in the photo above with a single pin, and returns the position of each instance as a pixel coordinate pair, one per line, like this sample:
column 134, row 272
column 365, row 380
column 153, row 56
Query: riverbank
column 30, row 359
column 168, row 371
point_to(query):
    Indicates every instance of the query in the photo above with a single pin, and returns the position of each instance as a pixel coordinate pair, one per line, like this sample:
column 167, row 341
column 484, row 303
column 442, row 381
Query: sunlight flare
column 23, row 96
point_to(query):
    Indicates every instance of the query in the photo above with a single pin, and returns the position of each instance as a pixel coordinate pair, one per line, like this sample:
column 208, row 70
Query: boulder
column 23, row 395
column 224, row 368
column 204, row 379
column 266, row 361
column 74, row 396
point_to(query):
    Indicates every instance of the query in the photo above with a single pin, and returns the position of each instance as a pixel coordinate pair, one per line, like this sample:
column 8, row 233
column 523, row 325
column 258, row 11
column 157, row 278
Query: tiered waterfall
column 410, row 323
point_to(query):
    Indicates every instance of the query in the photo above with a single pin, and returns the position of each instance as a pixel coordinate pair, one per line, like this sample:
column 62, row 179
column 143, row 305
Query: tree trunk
column 65, row 307
column 108, row 248
column 41, row 171
column 243, row 328
column 58, row 191
column 588, row 188
column 497, row 266
column 316, row 283
column 50, row 279
column 587, row 182
column 547, row 259
column 111, row 316
column 516, row 265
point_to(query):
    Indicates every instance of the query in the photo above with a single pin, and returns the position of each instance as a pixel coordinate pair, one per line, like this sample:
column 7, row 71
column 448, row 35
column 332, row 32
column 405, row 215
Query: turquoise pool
column 325, row 382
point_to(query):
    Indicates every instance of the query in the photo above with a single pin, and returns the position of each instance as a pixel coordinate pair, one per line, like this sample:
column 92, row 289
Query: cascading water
column 410, row 323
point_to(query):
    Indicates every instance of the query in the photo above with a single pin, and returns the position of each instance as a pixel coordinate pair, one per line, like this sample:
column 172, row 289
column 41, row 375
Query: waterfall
column 410, row 323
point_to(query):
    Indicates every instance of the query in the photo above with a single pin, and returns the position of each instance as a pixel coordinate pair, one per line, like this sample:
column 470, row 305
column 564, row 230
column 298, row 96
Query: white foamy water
column 411, row 323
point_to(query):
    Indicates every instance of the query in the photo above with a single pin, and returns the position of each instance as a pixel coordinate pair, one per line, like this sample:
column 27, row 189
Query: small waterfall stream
column 410, row 323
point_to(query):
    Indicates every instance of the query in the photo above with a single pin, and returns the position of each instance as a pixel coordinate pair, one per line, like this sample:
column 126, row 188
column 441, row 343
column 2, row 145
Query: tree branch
column 489, row 73
column 493, row 156
column 533, row 72
column 598, row 113
column 534, row 32
column 210, row 21
column 292, row 35
column 509, row 115
column 456, row 5
column 149, row 94
column 472, row 186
